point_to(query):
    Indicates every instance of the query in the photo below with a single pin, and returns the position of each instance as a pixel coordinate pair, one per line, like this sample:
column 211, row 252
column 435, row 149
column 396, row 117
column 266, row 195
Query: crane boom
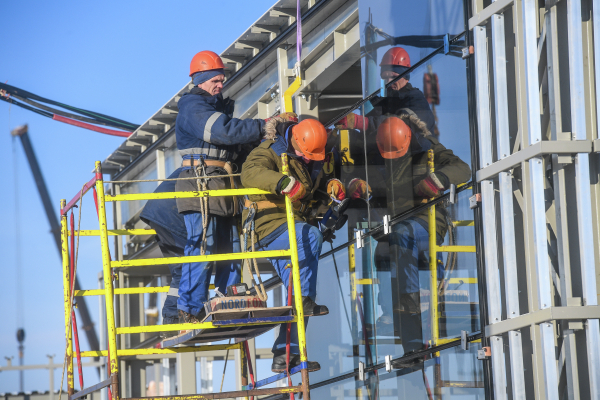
column 22, row 133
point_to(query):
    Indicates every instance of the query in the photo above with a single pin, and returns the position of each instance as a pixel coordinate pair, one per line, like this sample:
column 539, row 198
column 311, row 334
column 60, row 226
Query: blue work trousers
column 409, row 253
column 310, row 242
column 171, row 244
column 221, row 237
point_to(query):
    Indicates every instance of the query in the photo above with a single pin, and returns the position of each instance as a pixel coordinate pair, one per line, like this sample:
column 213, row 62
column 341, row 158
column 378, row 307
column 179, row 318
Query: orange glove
column 335, row 188
column 429, row 187
column 359, row 189
column 293, row 189
column 353, row 121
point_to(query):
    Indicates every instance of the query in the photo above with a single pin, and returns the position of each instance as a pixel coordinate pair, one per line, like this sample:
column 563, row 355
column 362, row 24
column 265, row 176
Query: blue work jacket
column 205, row 127
column 164, row 212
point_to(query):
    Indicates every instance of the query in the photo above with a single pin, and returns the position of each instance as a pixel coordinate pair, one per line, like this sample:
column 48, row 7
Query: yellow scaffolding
column 113, row 352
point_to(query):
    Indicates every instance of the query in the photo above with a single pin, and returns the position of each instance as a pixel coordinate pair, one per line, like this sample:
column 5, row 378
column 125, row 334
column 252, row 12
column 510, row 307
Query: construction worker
column 308, row 190
column 403, row 142
column 400, row 95
column 171, row 236
column 209, row 139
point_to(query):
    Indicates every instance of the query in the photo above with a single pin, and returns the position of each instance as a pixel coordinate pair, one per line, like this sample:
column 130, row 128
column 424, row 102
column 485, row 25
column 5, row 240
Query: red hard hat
column 396, row 56
column 310, row 135
column 205, row 61
column 393, row 138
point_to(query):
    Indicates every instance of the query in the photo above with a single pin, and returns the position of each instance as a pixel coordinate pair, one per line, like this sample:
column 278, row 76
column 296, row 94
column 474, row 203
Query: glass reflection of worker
column 403, row 142
column 400, row 95
column 305, row 145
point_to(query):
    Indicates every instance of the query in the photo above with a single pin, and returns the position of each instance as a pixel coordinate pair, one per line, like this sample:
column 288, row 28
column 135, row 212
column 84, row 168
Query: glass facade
column 384, row 297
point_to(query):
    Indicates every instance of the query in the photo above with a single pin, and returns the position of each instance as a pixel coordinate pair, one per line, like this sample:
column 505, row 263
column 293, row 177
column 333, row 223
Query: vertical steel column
column 67, row 297
column 560, row 199
column 536, row 171
column 596, row 22
column 108, row 285
column 511, row 285
column 488, row 205
column 583, row 193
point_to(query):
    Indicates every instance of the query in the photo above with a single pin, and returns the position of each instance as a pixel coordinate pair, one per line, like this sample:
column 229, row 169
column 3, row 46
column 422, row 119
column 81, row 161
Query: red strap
column 288, row 336
column 90, row 126
column 74, row 320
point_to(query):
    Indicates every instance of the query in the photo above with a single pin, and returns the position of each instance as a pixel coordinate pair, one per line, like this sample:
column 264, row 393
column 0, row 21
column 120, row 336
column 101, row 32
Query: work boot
column 279, row 364
column 169, row 334
column 311, row 309
column 187, row 318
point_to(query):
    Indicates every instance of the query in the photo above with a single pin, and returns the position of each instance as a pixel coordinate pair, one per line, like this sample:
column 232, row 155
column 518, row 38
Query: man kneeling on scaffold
column 306, row 187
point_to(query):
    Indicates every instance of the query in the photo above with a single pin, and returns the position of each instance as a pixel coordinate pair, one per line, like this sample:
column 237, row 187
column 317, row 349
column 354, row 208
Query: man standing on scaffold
column 309, row 191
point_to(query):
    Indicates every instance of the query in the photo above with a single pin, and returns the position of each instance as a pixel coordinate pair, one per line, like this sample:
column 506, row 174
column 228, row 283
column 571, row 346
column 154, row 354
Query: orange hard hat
column 310, row 135
column 393, row 138
column 205, row 61
column 396, row 56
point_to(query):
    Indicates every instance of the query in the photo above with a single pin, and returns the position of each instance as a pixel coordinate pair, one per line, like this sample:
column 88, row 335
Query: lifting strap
column 249, row 227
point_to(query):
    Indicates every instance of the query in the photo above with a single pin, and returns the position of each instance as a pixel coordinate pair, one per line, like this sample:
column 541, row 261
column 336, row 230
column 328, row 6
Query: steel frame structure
column 541, row 290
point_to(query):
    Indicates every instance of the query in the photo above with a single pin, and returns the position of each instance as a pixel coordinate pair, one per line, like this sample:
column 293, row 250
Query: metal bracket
column 485, row 353
column 388, row 363
column 464, row 343
column 361, row 371
column 452, row 196
column 474, row 200
column 446, row 43
column 386, row 225
column 360, row 240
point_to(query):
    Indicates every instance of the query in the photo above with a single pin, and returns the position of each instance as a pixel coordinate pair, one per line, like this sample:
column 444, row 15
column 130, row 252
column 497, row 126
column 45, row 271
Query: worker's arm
column 217, row 128
column 455, row 170
column 261, row 170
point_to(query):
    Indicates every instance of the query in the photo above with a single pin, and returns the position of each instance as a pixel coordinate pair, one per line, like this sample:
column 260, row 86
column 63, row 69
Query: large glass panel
column 417, row 26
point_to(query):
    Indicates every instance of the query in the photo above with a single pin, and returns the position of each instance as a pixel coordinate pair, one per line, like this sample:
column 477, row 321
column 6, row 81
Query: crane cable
column 87, row 119
column 72, row 292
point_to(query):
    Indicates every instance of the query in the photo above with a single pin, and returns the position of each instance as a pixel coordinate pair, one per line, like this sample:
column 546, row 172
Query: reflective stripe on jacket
column 205, row 126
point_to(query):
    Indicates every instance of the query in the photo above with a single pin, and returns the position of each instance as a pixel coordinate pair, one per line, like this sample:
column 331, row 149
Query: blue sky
column 124, row 59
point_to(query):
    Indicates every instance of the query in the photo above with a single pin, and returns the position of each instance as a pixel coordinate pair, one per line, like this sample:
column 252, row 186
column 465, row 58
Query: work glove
column 335, row 188
column 429, row 187
column 287, row 116
column 359, row 189
column 353, row 121
column 293, row 189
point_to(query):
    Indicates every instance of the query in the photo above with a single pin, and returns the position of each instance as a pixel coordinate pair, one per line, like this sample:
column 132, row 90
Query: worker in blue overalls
column 209, row 139
column 171, row 236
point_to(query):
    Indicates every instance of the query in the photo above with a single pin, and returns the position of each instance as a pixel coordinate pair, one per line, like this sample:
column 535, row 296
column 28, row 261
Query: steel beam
column 583, row 192
column 482, row 17
column 536, row 171
column 489, row 209
column 567, row 313
column 537, row 149
column 569, row 349
column 509, row 251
